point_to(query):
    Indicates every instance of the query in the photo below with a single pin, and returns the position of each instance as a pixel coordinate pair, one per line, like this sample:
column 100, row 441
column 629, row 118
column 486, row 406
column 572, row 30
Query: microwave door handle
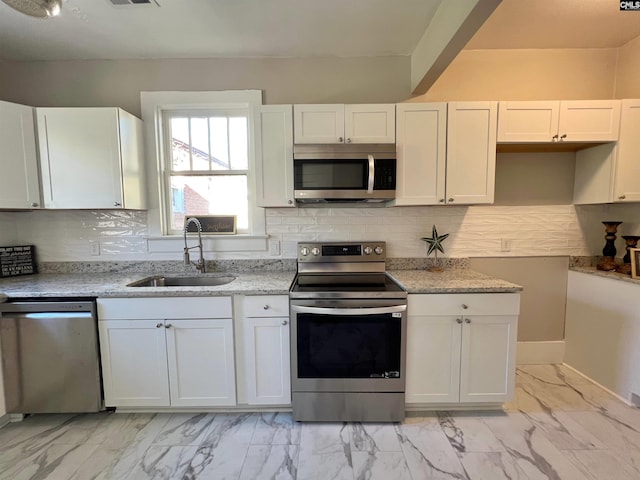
column 348, row 311
column 372, row 173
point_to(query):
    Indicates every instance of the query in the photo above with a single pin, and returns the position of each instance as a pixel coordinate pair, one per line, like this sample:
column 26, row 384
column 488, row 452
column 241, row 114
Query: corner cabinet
column 471, row 152
column 611, row 172
column 19, row 184
column 170, row 351
column 275, row 169
column 461, row 348
column 559, row 121
column 264, row 376
column 335, row 123
column 102, row 147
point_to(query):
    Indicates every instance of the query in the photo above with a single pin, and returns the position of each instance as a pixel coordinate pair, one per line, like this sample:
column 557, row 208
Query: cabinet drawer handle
column 284, row 322
column 465, row 306
column 554, row 138
column 348, row 140
column 266, row 307
column 441, row 200
column 467, row 320
column 168, row 325
column 622, row 197
column 117, row 204
column 159, row 325
column 451, row 200
column 341, row 140
column 458, row 320
column 563, row 137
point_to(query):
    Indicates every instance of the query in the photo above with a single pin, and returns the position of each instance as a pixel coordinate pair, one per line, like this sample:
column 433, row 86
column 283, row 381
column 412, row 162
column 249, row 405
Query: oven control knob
column 368, row 250
column 304, row 251
column 315, row 251
column 378, row 250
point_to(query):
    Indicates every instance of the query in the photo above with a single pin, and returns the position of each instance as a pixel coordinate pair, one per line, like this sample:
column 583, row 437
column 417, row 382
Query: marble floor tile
column 491, row 466
column 267, row 462
column 277, row 428
column 380, row 466
column 559, row 427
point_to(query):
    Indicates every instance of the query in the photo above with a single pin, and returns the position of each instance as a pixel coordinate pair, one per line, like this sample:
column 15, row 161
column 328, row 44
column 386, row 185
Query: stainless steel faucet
column 200, row 266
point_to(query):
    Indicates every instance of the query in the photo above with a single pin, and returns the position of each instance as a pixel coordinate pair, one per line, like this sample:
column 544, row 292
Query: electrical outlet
column 95, row 248
column 274, row 248
column 505, row 245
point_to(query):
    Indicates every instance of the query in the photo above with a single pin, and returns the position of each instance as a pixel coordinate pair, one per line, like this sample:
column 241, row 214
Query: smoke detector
column 36, row 8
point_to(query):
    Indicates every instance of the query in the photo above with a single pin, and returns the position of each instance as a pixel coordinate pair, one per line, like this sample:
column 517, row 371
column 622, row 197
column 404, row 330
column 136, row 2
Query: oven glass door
column 336, row 344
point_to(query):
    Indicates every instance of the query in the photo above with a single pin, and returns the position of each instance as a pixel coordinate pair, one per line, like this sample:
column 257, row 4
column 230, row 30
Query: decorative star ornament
column 435, row 241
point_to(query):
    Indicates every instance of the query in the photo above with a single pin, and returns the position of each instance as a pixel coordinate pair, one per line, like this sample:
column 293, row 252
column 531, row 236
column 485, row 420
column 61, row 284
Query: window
column 207, row 165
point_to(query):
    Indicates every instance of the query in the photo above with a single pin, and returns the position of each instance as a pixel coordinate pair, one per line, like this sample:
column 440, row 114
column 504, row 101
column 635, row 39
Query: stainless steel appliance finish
column 325, row 173
column 50, row 361
column 348, row 335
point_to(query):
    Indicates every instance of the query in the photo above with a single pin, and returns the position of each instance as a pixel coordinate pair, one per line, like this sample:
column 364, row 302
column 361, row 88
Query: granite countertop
column 454, row 280
column 67, row 285
column 114, row 284
column 600, row 273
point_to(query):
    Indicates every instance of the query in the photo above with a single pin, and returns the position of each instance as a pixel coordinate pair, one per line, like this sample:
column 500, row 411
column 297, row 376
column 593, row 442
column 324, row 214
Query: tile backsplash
column 475, row 231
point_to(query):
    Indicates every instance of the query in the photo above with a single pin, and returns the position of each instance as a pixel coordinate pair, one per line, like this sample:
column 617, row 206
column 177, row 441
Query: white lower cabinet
column 264, row 367
column 461, row 348
column 169, row 351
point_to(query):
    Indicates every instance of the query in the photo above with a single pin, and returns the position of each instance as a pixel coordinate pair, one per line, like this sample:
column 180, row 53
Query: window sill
column 210, row 243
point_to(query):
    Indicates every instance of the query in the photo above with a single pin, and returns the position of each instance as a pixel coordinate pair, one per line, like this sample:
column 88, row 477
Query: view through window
column 208, row 166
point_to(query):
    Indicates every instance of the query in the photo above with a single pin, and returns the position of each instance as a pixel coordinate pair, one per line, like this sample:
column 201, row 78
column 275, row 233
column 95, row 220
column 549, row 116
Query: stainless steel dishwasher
column 50, row 360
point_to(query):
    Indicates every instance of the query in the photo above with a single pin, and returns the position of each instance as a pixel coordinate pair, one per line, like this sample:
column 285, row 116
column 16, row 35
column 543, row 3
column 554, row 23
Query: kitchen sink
column 196, row 281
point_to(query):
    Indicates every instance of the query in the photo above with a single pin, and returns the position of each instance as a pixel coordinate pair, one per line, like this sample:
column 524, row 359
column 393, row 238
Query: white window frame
column 153, row 105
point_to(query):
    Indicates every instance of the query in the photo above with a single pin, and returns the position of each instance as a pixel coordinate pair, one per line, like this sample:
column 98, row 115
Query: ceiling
column 96, row 29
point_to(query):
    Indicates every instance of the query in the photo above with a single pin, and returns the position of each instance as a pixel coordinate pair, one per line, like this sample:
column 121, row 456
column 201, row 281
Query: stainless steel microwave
column 344, row 172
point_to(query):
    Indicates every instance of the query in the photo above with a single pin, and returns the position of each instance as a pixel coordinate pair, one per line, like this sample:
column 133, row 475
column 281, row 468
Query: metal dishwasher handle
column 349, row 311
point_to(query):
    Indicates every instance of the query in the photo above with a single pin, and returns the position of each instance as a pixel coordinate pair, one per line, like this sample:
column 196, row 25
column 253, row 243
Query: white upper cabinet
column 327, row 123
column 91, row 158
column 421, row 149
column 558, row 121
column 274, row 172
column 19, row 186
column 611, row 172
column 471, row 152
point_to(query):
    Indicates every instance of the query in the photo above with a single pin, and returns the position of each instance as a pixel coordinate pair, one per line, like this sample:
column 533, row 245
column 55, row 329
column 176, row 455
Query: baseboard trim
column 537, row 353
column 622, row 399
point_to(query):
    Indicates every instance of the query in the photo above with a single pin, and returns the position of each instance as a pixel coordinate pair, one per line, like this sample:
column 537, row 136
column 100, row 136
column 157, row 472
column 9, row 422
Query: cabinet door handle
column 159, row 325
column 554, row 138
column 622, row 197
column 563, row 137
column 465, row 306
column 266, row 307
column 451, row 200
column 467, row 320
column 284, row 322
column 441, row 200
column 341, row 140
column 117, row 204
column 290, row 202
column 168, row 325
column 348, row 140
column 34, row 204
column 458, row 320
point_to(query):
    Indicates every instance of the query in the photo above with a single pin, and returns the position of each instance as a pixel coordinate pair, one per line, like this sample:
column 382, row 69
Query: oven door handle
column 349, row 311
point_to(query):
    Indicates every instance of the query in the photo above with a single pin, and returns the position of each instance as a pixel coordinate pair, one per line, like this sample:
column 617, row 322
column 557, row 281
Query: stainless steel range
column 348, row 335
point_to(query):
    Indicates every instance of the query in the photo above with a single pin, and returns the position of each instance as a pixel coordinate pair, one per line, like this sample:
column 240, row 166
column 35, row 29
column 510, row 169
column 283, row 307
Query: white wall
column 475, row 231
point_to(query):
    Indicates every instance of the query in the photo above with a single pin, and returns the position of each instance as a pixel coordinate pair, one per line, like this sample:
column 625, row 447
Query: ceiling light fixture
column 36, row 8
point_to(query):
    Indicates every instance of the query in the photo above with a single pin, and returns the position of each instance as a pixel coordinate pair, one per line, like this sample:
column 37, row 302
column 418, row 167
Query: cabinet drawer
column 265, row 306
column 454, row 304
column 166, row 307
